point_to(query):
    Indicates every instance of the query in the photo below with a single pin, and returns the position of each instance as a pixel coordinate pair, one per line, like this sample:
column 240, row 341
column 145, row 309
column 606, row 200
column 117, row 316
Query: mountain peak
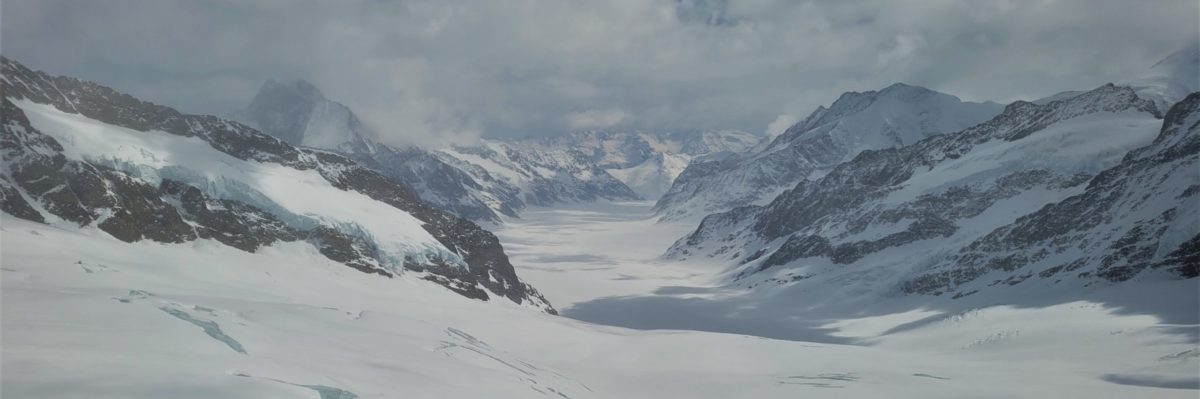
column 901, row 86
column 297, row 112
column 905, row 112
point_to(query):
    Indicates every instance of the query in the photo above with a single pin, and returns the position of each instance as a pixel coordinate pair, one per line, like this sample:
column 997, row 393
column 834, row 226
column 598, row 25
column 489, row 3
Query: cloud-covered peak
column 296, row 88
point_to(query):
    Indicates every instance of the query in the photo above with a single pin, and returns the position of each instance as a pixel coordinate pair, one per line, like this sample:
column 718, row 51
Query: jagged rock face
column 298, row 113
column 141, row 213
column 233, row 223
column 923, row 201
column 13, row 203
column 1140, row 215
column 896, row 116
column 41, row 180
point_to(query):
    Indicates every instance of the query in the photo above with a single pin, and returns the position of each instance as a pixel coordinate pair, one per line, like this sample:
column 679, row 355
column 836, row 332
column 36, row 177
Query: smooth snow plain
column 85, row 315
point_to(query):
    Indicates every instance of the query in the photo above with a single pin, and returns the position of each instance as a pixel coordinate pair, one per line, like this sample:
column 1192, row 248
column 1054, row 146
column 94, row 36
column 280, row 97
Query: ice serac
column 888, row 216
column 896, row 116
column 298, row 113
column 80, row 154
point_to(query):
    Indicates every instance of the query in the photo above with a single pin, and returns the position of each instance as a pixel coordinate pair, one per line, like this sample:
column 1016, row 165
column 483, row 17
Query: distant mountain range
column 492, row 178
column 903, row 190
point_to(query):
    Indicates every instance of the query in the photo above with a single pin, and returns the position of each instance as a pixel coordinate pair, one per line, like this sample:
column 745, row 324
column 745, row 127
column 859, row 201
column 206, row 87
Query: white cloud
column 596, row 119
column 431, row 69
column 780, row 124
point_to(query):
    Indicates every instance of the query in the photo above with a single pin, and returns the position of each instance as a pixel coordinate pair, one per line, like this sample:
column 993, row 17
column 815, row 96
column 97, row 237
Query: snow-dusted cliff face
column 896, row 116
column 81, row 155
column 1039, row 190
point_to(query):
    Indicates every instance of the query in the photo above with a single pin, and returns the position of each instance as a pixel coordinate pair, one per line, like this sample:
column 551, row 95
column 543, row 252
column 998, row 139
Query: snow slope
column 108, row 319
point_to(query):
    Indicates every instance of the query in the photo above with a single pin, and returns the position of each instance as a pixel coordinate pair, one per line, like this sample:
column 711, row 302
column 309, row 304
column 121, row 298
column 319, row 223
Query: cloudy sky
column 428, row 70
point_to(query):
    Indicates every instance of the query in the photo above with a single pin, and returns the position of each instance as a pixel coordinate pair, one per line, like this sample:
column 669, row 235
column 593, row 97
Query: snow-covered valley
column 111, row 319
column 447, row 236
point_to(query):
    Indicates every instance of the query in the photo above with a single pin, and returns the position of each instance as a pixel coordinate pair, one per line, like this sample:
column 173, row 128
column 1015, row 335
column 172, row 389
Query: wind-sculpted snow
column 896, row 116
column 924, row 201
column 86, row 154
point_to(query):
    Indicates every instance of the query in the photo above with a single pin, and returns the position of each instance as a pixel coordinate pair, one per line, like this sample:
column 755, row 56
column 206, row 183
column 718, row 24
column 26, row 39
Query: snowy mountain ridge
column 578, row 166
column 894, row 116
column 78, row 154
column 891, row 221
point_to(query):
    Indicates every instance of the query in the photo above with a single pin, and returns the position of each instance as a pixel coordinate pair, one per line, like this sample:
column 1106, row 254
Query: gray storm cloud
column 430, row 71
